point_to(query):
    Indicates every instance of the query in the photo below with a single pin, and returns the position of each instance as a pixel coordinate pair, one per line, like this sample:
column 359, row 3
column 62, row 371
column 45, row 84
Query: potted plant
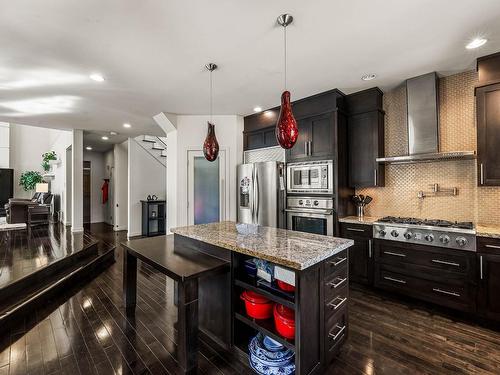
column 46, row 158
column 29, row 179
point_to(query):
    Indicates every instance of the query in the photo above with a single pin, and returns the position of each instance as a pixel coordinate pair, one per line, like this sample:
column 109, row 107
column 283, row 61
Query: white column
column 171, row 180
column 4, row 145
column 77, row 182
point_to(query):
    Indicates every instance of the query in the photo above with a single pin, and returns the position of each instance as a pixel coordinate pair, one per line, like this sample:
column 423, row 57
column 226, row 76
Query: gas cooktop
column 427, row 222
column 440, row 233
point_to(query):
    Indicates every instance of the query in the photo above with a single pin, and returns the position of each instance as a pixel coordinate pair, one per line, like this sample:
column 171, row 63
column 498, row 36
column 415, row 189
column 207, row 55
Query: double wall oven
column 310, row 205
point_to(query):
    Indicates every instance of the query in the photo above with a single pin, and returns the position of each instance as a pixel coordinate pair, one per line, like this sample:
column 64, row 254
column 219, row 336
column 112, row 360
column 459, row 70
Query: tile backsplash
column 457, row 133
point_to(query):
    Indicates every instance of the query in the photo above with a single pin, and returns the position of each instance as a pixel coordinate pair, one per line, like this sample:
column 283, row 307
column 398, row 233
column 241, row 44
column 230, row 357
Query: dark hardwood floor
column 21, row 255
column 86, row 331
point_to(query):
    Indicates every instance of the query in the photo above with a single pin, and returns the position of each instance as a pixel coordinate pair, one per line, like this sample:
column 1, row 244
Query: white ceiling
column 93, row 139
column 152, row 54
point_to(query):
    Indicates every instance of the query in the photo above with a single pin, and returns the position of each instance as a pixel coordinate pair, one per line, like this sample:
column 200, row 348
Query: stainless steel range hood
column 423, row 124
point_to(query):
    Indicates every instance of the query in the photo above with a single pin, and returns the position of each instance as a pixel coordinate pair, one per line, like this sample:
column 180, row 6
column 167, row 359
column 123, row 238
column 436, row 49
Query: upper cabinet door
column 366, row 142
column 488, row 134
column 321, row 139
column 300, row 150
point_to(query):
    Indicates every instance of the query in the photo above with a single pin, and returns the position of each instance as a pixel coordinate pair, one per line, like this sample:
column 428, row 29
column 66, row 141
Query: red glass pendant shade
column 211, row 146
column 287, row 130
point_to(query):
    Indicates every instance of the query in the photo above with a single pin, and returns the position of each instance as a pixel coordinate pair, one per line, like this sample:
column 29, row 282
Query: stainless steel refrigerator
column 261, row 194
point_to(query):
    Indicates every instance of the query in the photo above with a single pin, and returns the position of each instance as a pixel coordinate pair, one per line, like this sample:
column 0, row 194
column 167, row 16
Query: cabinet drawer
column 436, row 258
column 488, row 245
column 335, row 333
column 335, row 263
column 461, row 297
column 348, row 230
column 335, row 298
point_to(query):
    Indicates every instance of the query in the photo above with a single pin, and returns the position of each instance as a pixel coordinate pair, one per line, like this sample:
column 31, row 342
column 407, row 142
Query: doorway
column 207, row 187
column 87, row 183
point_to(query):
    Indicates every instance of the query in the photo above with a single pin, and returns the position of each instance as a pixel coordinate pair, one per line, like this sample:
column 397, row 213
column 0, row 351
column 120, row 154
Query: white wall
column 4, row 145
column 146, row 176
column 27, row 144
column 97, row 175
column 190, row 134
column 120, row 152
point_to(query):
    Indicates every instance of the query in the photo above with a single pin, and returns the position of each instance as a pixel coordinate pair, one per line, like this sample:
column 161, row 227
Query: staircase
column 155, row 146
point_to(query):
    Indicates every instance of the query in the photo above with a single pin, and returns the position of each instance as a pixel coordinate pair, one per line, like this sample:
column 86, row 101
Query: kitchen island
column 318, row 265
column 210, row 263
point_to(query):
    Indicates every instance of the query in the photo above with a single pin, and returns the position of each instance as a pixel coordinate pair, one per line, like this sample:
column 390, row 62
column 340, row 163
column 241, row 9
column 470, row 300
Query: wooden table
column 182, row 264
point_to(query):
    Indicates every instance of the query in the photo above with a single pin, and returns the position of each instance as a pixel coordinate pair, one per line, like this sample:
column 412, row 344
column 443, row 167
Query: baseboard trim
column 116, row 229
column 131, row 235
column 77, row 230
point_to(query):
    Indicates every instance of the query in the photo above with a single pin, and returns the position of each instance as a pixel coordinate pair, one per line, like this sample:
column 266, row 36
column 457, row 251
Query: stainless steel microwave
column 310, row 177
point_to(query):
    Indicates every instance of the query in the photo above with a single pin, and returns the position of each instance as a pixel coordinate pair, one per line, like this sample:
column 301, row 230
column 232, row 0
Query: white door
column 207, row 188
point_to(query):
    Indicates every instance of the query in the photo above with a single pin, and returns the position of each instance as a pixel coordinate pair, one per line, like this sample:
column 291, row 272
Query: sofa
column 17, row 209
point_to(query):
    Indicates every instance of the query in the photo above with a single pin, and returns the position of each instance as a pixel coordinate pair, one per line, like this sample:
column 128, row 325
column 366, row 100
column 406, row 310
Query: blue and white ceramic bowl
column 263, row 357
column 271, row 344
column 264, row 369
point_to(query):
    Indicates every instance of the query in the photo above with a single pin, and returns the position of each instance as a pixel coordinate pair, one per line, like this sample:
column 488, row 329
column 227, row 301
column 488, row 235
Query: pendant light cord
column 211, row 99
column 284, row 40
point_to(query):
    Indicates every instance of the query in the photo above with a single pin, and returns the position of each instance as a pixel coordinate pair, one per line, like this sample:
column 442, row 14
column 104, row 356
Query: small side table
column 38, row 215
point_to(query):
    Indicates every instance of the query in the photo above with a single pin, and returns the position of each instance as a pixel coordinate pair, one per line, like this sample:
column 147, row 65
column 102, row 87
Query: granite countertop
column 368, row 220
column 492, row 231
column 297, row 250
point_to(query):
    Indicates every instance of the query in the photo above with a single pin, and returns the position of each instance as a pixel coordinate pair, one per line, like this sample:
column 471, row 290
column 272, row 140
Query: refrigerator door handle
column 252, row 206
column 257, row 197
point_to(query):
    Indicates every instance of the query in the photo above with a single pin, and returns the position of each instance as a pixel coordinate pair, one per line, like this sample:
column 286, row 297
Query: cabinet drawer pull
column 375, row 176
column 395, row 254
column 335, row 336
column 334, row 306
column 337, row 282
column 481, row 173
column 437, row 290
column 492, row 246
column 355, row 229
column 445, row 262
column 337, row 261
column 370, row 248
column 481, row 267
column 395, row 280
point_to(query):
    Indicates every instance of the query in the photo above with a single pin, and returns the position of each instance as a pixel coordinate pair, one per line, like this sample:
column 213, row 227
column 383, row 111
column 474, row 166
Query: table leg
column 129, row 282
column 187, row 324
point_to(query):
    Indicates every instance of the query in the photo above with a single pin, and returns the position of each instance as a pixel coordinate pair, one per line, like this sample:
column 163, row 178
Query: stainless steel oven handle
column 310, row 211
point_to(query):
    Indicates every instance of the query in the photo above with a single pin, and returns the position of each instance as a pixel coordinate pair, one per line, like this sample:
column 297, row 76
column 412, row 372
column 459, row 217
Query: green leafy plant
column 29, row 179
column 46, row 158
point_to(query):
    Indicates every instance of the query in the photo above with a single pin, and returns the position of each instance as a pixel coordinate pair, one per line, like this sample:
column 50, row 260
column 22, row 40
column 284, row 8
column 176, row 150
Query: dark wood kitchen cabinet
column 445, row 277
column 316, row 138
column 361, row 254
column 365, row 134
column 488, row 298
column 488, row 134
column 259, row 138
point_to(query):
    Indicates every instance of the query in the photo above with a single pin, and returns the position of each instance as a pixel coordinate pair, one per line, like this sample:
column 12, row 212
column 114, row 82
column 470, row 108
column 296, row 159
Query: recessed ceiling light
column 127, row 125
column 113, row 133
column 88, row 148
column 96, row 77
column 257, row 109
column 104, row 138
column 369, row 77
column 476, row 43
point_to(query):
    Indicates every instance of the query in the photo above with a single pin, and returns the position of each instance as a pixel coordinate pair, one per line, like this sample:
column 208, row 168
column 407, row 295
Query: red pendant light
column 211, row 146
column 287, row 130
